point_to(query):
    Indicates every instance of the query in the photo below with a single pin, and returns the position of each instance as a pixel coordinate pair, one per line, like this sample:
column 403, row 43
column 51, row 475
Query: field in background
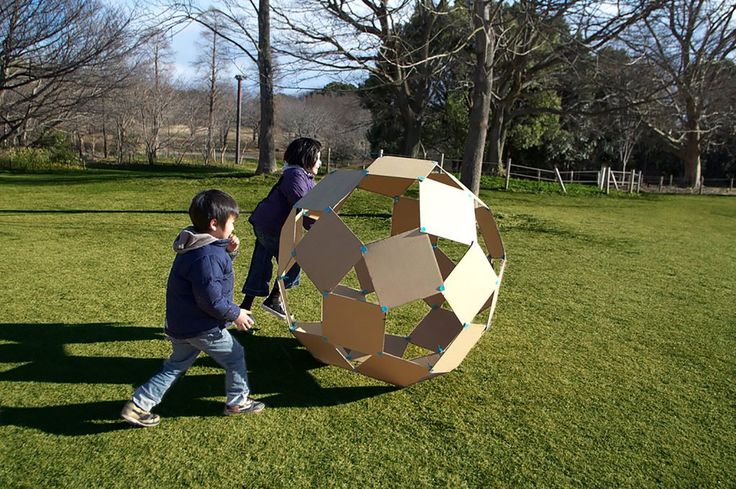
column 610, row 363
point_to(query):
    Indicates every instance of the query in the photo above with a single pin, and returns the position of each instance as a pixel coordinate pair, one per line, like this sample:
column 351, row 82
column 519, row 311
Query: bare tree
column 237, row 28
column 687, row 46
column 402, row 44
column 54, row 55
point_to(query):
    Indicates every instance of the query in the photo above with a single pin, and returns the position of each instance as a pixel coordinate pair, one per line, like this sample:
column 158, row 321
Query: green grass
column 610, row 363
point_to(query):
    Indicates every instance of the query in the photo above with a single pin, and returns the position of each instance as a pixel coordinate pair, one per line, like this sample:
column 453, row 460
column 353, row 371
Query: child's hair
column 302, row 152
column 212, row 204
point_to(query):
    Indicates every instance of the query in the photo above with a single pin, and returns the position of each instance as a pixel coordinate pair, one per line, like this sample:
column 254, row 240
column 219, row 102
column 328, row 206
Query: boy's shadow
column 276, row 365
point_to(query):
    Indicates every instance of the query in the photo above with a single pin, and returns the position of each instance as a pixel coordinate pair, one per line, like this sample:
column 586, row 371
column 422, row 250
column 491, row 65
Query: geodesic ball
column 405, row 267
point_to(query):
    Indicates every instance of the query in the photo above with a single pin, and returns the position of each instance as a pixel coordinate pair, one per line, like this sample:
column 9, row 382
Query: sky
column 184, row 44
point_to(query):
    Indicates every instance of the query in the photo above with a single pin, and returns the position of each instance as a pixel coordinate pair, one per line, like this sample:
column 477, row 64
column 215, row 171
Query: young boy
column 199, row 306
column 302, row 159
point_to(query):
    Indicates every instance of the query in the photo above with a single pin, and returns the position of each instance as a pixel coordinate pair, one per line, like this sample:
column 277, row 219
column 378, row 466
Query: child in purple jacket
column 302, row 159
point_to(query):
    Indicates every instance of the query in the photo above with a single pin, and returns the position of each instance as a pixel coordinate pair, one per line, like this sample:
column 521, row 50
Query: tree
column 234, row 25
column 402, row 45
column 56, row 55
column 687, row 45
column 533, row 39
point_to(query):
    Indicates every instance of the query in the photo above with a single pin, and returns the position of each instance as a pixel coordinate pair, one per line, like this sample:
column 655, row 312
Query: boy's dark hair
column 212, row 204
column 302, row 152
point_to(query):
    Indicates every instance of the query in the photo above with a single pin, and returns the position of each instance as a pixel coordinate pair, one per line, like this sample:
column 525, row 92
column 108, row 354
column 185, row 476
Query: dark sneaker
column 138, row 417
column 251, row 406
column 275, row 307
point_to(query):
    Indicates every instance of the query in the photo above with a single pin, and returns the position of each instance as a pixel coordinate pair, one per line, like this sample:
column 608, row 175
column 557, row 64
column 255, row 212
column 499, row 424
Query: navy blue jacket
column 199, row 293
column 271, row 213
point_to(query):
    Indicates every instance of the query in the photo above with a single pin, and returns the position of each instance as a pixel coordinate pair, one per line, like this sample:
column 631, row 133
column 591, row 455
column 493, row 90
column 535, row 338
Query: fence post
column 508, row 173
column 380, row 153
column 559, row 179
column 539, row 175
column 442, row 161
column 731, row 186
column 571, row 176
column 670, row 179
column 608, row 179
column 631, row 183
column 661, row 181
column 638, row 188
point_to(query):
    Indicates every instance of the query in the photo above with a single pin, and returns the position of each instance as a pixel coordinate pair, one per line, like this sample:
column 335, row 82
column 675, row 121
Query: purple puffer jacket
column 271, row 213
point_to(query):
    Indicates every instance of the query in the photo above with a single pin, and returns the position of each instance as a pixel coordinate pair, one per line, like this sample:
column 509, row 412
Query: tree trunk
column 266, row 149
column 482, row 78
column 496, row 138
column 412, row 137
column 691, row 157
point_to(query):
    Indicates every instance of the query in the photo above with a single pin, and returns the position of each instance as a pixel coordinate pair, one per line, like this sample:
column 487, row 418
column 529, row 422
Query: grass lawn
column 610, row 363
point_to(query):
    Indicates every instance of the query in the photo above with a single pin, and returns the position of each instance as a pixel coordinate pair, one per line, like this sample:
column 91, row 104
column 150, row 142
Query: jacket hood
column 190, row 239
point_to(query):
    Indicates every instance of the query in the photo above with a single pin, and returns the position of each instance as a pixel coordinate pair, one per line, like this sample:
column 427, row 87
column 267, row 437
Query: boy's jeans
column 218, row 344
column 259, row 274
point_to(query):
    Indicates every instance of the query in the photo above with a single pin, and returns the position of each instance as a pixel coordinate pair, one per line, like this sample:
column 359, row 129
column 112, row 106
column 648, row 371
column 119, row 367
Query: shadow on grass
column 278, row 366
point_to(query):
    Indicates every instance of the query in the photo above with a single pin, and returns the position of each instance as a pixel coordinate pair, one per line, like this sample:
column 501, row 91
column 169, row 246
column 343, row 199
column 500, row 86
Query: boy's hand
column 234, row 244
column 244, row 322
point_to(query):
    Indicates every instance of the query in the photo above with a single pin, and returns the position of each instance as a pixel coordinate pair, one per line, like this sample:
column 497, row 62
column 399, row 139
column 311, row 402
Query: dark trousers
column 258, row 282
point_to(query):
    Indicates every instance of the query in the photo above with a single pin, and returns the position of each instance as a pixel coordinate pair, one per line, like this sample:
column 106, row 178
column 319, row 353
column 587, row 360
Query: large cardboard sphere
column 405, row 267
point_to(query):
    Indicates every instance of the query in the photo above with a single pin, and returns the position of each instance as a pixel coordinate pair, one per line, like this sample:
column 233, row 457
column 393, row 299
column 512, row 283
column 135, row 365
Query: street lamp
column 237, row 118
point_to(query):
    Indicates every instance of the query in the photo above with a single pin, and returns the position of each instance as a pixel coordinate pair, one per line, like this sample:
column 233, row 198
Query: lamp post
column 237, row 119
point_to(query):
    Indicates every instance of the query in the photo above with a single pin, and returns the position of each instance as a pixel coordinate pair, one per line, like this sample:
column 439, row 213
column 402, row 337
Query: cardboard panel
column 405, row 215
column 364, row 278
column 322, row 350
column 470, row 284
column 403, row 268
column 393, row 370
column 447, row 212
column 353, row 324
column 348, row 292
column 288, row 239
column 489, row 231
column 436, row 331
column 393, row 166
column 328, row 251
column 353, row 355
column 285, row 300
column 427, row 361
column 309, row 328
column 446, row 266
column 494, row 297
column 383, row 185
column 395, row 345
column 459, row 348
column 447, row 179
column 333, row 188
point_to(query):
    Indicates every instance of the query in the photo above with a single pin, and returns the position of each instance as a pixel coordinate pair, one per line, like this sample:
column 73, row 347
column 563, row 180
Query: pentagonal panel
column 393, row 369
column 447, row 212
column 333, row 188
column 470, row 284
column 328, row 251
column 459, row 348
column 403, row 268
column 436, row 331
column 352, row 324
